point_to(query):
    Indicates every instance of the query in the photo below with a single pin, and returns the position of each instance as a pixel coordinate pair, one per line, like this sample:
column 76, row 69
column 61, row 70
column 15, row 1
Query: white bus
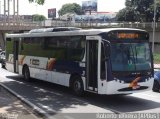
column 103, row 61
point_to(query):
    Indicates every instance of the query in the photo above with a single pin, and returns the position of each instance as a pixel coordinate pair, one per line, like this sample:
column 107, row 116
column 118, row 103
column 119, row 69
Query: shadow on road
column 54, row 98
column 50, row 97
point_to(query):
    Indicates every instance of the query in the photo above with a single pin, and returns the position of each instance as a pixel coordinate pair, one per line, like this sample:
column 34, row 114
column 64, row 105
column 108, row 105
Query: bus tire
column 26, row 73
column 77, row 86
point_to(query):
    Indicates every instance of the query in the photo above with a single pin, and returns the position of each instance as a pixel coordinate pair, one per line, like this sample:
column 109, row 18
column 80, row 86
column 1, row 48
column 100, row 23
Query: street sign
column 52, row 13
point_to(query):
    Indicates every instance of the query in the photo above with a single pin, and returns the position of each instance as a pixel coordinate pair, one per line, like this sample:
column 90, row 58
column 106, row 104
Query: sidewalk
column 13, row 108
column 156, row 66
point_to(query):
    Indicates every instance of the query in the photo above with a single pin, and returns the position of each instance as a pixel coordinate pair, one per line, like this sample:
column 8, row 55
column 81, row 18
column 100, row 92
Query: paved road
column 56, row 100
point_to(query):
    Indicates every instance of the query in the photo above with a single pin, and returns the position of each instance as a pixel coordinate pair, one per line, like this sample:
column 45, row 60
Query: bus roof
column 55, row 29
column 69, row 33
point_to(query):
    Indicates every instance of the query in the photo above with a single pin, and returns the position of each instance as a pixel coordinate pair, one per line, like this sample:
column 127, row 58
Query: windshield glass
column 130, row 56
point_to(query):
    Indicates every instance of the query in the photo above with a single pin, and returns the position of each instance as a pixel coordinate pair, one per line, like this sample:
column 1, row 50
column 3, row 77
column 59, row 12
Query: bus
column 103, row 61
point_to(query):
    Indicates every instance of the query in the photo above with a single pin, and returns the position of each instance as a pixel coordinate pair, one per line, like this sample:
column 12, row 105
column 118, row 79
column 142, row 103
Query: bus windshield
column 130, row 57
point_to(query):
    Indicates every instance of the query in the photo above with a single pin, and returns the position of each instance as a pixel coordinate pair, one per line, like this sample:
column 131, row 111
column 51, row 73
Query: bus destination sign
column 128, row 35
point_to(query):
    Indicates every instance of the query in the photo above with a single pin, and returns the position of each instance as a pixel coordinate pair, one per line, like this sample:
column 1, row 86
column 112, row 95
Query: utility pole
column 154, row 21
column 90, row 11
column 0, row 7
column 7, row 10
column 15, row 10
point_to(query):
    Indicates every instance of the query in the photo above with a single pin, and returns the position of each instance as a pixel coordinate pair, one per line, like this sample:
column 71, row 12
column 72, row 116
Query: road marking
column 47, row 108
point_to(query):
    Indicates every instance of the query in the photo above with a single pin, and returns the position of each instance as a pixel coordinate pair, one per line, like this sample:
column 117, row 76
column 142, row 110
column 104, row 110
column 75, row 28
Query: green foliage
column 127, row 14
column 38, row 17
column 40, row 2
column 9, row 48
column 121, row 15
column 156, row 58
column 70, row 8
column 140, row 10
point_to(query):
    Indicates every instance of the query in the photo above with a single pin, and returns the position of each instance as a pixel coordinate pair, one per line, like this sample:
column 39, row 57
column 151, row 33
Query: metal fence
column 18, row 25
column 84, row 24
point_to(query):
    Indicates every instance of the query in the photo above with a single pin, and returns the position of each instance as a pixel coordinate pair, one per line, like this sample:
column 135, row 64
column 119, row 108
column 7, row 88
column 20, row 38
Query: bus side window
column 57, row 47
column 21, row 45
column 103, row 63
column 9, row 48
column 44, row 43
column 76, row 48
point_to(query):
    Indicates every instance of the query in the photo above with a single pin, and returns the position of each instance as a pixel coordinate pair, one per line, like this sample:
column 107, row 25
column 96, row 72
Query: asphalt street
column 55, row 100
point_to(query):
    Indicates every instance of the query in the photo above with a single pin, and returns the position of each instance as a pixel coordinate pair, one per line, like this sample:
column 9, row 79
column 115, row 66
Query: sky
column 26, row 8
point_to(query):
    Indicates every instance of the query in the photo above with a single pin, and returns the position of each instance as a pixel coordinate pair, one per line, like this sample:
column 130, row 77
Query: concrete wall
column 157, row 36
column 156, row 41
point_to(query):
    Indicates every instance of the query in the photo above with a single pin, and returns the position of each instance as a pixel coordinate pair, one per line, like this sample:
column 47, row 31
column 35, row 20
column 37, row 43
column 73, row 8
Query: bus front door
column 15, row 56
column 92, row 63
column 96, row 64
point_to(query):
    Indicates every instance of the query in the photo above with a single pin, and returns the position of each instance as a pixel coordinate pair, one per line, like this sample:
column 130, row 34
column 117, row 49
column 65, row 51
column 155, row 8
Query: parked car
column 156, row 85
column 2, row 58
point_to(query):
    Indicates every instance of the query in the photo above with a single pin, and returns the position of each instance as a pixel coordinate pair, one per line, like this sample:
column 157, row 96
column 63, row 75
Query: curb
column 35, row 109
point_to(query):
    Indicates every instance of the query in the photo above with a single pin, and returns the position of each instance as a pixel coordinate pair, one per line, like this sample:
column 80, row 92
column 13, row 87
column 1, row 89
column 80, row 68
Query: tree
column 121, row 15
column 142, row 10
column 38, row 17
column 127, row 14
column 40, row 2
column 70, row 8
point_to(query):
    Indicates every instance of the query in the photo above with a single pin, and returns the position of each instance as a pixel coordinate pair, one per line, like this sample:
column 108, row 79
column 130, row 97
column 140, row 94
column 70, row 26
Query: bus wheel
column 77, row 86
column 26, row 73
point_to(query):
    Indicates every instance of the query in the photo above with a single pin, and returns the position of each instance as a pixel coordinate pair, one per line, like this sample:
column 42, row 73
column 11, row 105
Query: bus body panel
column 9, row 67
column 38, row 68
